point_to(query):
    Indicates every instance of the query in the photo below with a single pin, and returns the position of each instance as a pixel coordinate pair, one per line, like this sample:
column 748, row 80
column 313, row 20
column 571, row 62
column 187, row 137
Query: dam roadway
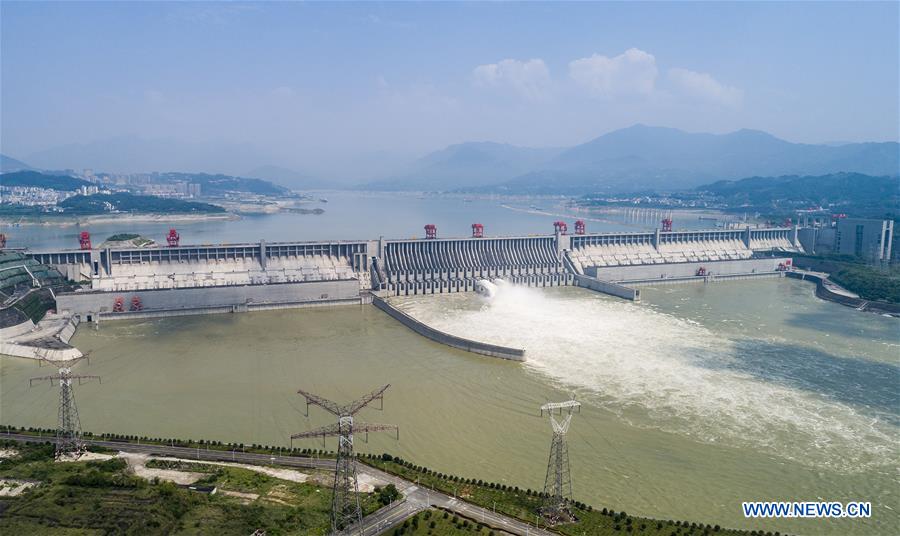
column 416, row 497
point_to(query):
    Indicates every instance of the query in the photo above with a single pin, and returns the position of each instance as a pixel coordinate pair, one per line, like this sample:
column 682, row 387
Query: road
column 416, row 498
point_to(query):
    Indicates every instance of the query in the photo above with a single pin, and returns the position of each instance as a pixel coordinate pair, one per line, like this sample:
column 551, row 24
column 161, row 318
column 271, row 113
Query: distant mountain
column 669, row 159
column 853, row 193
column 133, row 154
column 464, row 165
column 40, row 180
column 295, row 179
column 8, row 164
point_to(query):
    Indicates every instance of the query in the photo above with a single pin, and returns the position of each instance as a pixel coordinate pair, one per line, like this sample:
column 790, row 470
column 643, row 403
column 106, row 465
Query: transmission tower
column 345, row 508
column 558, row 483
column 69, row 443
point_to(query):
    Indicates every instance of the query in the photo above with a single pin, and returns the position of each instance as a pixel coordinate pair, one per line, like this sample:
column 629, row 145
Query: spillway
column 239, row 277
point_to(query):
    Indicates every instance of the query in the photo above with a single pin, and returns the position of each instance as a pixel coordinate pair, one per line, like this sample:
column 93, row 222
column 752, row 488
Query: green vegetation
column 31, row 303
column 139, row 204
column 851, row 273
column 522, row 504
column 102, row 497
column 861, row 195
column 440, row 523
column 35, row 179
column 220, row 185
column 122, row 236
column 869, row 283
column 505, row 499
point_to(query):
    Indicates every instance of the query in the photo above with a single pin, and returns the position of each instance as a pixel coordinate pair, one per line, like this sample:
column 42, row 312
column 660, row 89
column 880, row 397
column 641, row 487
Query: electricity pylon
column 558, row 483
column 345, row 508
column 69, row 443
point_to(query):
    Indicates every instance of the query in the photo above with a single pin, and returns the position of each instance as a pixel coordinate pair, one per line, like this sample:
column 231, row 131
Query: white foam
column 657, row 370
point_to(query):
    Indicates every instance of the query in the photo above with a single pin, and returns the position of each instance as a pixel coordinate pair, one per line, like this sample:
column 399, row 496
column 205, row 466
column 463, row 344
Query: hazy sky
column 312, row 83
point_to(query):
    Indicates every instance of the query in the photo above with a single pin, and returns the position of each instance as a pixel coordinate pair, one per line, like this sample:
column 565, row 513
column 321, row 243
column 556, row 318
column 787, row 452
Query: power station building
column 871, row 240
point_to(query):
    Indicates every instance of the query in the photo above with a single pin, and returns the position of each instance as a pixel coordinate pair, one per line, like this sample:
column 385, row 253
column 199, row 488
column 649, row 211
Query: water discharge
column 654, row 369
column 699, row 398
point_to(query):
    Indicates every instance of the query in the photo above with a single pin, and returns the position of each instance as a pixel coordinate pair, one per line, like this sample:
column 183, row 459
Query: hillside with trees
column 35, row 179
column 137, row 204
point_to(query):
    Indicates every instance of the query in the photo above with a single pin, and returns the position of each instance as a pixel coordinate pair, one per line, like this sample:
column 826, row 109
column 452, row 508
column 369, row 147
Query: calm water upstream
column 697, row 399
column 357, row 216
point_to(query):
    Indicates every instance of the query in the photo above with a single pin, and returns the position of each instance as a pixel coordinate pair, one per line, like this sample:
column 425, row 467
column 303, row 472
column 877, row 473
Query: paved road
column 416, row 498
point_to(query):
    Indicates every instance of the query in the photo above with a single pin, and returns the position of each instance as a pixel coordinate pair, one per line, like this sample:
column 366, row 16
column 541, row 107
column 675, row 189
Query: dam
column 190, row 279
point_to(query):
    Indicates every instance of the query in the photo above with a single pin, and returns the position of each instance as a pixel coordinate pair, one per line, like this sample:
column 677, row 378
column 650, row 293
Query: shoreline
column 69, row 221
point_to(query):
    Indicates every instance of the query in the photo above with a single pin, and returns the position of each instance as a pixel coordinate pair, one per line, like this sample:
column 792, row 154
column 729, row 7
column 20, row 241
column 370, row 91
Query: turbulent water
column 657, row 369
column 699, row 398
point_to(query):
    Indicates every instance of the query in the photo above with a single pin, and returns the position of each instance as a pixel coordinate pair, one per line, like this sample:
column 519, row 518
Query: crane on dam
column 345, row 508
column 558, row 482
column 69, row 444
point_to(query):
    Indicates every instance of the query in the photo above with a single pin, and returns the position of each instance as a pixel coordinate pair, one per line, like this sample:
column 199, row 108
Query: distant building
column 868, row 239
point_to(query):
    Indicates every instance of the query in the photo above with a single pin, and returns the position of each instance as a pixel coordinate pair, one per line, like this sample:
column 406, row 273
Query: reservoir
column 359, row 215
column 696, row 399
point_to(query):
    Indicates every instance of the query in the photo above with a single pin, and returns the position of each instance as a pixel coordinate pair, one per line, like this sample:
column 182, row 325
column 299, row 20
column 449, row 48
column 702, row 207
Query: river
column 699, row 398
column 360, row 216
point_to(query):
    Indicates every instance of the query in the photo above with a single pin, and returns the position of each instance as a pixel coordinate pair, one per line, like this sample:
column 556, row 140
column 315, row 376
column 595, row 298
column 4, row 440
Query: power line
column 558, row 482
column 69, row 443
column 345, row 507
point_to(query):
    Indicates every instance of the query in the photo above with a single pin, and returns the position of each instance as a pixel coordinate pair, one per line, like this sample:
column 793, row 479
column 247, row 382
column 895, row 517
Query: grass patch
column 523, row 504
column 102, row 497
column 441, row 523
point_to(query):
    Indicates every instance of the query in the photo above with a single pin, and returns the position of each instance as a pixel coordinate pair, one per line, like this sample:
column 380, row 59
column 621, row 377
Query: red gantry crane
column 560, row 227
column 85, row 240
column 477, row 230
column 579, row 227
column 431, row 231
column 173, row 238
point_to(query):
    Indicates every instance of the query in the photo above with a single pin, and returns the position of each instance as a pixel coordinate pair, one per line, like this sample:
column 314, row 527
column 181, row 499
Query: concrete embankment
column 712, row 278
column 687, row 271
column 824, row 292
column 515, row 354
column 607, row 287
column 49, row 339
column 209, row 300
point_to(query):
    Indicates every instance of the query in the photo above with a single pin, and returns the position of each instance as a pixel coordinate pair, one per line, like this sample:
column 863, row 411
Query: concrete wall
column 861, row 304
column 460, row 343
column 605, row 287
column 18, row 329
column 230, row 297
column 682, row 270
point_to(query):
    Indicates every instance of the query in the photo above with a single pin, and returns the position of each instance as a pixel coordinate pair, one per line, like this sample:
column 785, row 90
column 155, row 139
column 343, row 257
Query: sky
column 316, row 85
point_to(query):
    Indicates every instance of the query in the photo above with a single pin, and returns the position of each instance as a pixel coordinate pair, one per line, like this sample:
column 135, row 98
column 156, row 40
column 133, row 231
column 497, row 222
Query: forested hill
column 137, row 204
column 35, row 179
column 218, row 185
column 856, row 193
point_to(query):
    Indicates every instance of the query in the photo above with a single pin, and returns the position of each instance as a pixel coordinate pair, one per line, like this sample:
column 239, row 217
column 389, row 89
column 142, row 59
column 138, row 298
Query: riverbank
column 828, row 290
column 80, row 221
column 717, row 365
column 506, row 505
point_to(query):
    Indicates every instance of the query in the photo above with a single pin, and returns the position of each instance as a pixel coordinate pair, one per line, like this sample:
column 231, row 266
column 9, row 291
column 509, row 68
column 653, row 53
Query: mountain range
column 8, row 164
column 853, row 193
column 642, row 157
column 467, row 165
column 639, row 157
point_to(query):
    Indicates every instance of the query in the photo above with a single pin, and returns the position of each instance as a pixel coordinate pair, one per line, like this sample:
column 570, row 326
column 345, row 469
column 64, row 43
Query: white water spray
column 656, row 370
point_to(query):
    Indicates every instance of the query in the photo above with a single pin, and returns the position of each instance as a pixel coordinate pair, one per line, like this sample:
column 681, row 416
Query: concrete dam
column 192, row 279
